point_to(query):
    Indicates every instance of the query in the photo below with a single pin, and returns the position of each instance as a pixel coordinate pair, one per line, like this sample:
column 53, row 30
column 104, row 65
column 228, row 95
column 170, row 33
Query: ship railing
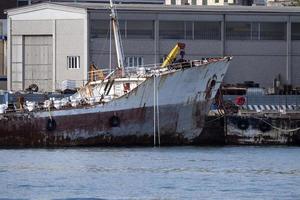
column 142, row 69
column 101, row 74
column 65, row 103
column 155, row 67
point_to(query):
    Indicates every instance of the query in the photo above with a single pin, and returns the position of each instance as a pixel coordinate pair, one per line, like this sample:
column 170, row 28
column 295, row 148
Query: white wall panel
column 32, row 27
column 17, row 62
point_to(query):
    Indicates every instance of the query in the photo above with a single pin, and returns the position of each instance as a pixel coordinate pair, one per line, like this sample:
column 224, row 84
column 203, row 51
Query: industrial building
column 218, row 2
column 29, row 2
column 198, row 2
column 7, row 4
column 49, row 42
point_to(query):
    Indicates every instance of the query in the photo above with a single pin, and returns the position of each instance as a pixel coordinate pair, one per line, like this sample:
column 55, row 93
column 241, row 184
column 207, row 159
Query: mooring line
column 154, row 112
column 277, row 128
column 157, row 112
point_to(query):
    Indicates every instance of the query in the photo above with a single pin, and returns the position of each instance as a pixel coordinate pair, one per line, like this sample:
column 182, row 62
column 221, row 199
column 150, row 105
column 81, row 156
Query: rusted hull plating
column 183, row 98
column 135, row 128
column 262, row 131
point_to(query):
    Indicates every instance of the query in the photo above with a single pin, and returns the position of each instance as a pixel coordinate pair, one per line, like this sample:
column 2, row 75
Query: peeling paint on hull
column 184, row 100
column 136, row 128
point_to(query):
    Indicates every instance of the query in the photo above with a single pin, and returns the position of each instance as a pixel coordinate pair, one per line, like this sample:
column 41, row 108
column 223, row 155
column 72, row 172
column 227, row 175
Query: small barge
column 261, row 123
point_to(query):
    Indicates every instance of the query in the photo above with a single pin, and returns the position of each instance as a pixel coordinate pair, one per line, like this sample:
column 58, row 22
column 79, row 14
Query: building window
column 216, row 1
column 238, row 30
column 134, row 61
column 23, row 2
column 207, row 30
column 255, row 31
column 176, row 29
column 171, row 30
column 243, row 31
column 73, row 62
column 173, row 2
column 204, row 2
column 128, row 29
column 272, row 31
column 100, row 28
column 295, row 29
column 188, row 30
column 122, row 28
column 194, row 2
column 140, row 29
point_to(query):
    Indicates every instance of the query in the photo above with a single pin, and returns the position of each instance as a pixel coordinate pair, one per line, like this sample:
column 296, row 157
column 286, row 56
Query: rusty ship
column 161, row 104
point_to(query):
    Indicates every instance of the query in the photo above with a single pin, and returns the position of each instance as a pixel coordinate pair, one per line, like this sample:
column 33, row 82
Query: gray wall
column 259, row 61
column 2, row 57
column 295, row 71
column 256, row 60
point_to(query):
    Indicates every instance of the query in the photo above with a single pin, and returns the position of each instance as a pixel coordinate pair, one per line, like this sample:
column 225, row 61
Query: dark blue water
column 151, row 173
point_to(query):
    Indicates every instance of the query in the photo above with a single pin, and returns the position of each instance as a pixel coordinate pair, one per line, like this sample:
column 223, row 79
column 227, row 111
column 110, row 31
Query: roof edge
column 44, row 5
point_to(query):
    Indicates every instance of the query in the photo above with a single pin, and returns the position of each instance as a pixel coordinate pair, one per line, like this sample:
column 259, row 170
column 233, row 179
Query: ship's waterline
column 178, row 125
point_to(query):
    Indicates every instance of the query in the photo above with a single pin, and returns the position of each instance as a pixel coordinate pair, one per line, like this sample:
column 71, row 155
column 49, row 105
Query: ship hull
column 167, row 109
column 95, row 129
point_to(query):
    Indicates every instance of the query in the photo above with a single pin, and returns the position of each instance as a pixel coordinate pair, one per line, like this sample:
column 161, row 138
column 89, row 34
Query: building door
column 38, row 62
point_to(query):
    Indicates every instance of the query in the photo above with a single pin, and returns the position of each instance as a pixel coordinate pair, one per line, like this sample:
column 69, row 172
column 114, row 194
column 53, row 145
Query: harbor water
column 151, row 173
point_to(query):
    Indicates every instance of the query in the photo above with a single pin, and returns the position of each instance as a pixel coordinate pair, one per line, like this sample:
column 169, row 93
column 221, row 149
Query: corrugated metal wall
column 17, row 62
column 38, row 62
column 2, row 69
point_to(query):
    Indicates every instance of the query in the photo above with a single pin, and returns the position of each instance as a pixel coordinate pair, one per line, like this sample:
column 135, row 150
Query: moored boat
column 170, row 104
column 160, row 104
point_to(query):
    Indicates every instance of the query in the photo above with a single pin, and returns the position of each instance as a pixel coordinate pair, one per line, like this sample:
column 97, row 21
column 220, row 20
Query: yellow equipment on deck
column 173, row 54
column 95, row 74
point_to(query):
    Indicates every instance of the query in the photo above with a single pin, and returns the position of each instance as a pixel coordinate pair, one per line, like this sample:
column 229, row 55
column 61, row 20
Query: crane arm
column 173, row 54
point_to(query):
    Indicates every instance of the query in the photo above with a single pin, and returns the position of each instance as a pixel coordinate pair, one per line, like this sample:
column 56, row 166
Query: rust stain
column 95, row 129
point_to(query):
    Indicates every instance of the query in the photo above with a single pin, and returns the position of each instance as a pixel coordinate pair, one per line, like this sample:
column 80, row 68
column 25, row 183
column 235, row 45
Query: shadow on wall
column 3, row 83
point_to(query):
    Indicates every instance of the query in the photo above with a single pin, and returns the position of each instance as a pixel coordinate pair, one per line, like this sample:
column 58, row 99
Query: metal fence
column 268, row 99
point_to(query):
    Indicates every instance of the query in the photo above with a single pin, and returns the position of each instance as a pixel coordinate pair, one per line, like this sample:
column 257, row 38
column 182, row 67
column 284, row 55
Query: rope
column 277, row 128
column 154, row 113
column 157, row 117
column 215, row 119
column 49, row 112
column 220, row 102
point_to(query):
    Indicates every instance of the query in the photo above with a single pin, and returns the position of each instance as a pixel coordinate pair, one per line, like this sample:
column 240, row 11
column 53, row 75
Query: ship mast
column 117, row 36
